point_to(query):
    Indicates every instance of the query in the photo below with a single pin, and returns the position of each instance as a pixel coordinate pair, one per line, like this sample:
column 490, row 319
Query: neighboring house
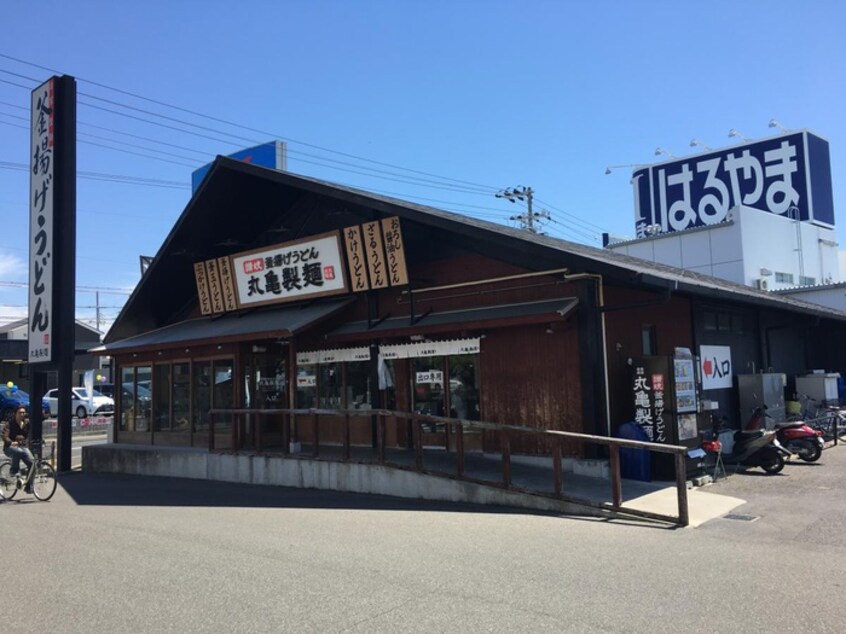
column 14, row 350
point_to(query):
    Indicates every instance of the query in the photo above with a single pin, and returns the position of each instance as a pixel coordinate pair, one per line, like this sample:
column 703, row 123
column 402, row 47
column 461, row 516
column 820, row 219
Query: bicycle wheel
column 43, row 481
column 8, row 486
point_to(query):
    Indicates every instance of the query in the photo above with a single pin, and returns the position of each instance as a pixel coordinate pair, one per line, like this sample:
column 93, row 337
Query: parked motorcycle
column 758, row 449
column 800, row 439
column 795, row 436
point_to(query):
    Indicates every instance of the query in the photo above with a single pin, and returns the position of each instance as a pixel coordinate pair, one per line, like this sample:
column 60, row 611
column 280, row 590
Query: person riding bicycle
column 14, row 435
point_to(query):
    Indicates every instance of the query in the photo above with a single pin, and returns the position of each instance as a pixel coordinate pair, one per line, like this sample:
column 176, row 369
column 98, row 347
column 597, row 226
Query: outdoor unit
column 762, row 284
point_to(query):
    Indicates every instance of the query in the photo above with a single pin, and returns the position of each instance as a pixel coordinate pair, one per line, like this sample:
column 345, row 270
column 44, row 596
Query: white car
column 81, row 408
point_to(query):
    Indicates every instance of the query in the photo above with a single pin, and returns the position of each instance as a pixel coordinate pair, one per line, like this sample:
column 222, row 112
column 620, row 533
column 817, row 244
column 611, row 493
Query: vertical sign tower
column 52, row 251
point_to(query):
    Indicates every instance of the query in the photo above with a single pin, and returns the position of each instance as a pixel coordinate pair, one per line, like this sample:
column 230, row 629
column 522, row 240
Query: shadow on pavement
column 131, row 490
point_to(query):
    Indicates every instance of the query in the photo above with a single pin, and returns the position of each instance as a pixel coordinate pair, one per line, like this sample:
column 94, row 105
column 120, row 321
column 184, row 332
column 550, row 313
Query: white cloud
column 11, row 267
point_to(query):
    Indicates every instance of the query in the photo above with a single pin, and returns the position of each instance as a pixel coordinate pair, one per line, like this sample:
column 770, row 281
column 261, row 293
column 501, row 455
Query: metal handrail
column 459, row 425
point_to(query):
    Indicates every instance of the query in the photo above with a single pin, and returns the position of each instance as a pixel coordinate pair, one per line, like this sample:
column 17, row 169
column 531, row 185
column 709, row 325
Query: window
column 201, row 395
column 306, row 386
column 726, row 322
column 807, row 281
column 330, row 386
column 784, row 278
column 463, row 387
column 161, row 398
column 357, row 381
column 647, row 337
column 181, row 394
column 127, row 399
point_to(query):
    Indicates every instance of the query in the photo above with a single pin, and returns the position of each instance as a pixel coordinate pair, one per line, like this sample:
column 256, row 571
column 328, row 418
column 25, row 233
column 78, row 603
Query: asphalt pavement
column 132, row 554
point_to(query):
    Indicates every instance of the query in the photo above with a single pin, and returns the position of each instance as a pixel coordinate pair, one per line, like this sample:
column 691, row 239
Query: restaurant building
column 278, row 291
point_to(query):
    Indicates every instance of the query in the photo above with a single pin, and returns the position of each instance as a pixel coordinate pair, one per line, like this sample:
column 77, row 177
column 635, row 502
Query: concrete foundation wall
column 308, row 474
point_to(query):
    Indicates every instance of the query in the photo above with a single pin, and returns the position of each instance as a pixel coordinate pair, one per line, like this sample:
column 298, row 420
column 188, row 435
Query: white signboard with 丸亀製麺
column 715, row 366
column 307, row 268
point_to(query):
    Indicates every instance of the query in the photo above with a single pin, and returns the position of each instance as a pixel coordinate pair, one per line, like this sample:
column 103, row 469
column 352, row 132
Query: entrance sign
column 788, row 175
column 41, row 230
column 430, row 377
column 717, row 372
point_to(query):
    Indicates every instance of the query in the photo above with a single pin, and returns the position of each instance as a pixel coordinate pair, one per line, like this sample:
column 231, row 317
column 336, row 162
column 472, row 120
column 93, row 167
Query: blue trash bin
column 635, row 464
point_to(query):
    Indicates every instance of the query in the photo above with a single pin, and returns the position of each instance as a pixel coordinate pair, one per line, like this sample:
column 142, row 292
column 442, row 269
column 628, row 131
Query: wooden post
column 259, row 433
column 418, row 443
column 459, row 449
column 347, row 436
column 556, row 465
column 506, row 458
column 380, row 438
column 211, row 432
column 315, row 439
column 681, row 486
column 616, row 482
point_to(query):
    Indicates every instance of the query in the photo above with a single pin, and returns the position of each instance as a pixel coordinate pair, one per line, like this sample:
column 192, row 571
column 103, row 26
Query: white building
column 759, row 214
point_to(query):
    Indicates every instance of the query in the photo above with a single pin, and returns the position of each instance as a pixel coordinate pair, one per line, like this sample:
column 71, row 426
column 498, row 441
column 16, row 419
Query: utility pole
column 527, row 220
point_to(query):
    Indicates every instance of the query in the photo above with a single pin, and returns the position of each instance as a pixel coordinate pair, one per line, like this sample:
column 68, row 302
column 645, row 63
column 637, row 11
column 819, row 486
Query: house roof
column 240, row 206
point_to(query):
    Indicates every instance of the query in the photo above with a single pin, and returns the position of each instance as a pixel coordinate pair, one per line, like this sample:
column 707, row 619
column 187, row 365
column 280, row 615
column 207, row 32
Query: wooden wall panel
column 673, row 328
column 532, row 378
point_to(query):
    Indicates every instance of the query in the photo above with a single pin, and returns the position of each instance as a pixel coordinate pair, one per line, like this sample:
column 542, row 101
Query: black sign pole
column 64, row 287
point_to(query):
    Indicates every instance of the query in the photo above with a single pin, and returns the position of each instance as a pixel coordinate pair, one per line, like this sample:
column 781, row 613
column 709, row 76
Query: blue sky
column 478, row 95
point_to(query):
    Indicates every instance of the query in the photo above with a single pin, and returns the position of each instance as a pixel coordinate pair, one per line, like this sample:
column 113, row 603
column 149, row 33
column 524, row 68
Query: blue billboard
column 270, row 154
column 788, row 175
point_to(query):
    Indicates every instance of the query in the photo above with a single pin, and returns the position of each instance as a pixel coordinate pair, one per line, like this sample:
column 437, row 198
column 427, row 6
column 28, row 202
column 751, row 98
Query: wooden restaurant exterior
column 277, row 291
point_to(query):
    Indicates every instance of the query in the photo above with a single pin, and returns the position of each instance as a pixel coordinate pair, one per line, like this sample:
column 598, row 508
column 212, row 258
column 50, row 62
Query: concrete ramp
column 356, row 477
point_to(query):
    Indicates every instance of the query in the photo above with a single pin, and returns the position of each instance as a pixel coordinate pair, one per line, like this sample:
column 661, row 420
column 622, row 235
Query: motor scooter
column 795, row 436
column 758, row 448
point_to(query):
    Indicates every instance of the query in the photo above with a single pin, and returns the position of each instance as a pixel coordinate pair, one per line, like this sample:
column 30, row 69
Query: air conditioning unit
column 762, row 284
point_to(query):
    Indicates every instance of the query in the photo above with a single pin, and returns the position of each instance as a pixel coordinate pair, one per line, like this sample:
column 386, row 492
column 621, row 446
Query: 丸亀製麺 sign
column 291, row 271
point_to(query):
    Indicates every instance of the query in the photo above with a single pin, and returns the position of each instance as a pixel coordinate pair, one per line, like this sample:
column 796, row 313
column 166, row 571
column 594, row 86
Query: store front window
column 329, row 386
column 463, row 387
column 357, row 375
column 306, row 386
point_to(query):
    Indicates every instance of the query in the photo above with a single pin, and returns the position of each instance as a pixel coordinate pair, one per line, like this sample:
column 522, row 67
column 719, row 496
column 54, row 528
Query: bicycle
column 41, row 476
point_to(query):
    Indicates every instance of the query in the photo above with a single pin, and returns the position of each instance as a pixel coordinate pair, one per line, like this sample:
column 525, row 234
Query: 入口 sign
column 715, row 364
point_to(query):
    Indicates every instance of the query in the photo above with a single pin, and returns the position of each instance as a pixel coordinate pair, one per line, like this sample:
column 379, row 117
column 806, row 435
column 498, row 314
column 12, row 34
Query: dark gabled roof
column 241, row 206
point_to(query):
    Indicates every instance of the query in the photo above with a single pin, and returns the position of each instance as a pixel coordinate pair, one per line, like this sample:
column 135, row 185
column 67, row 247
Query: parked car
column 108, row 389
column 12, row 398
column 81, row 408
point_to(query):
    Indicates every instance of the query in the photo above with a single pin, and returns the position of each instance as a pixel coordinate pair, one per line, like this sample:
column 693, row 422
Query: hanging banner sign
column 41, row 235
column 202, row 288
column 789, row 175
column 215, row 289
column 375, row 251
column 715, row 363
column 307, row 358
column 395, row 251
column 340, row 355
column 355, row 259
column 430, row 349
column 227, row 284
